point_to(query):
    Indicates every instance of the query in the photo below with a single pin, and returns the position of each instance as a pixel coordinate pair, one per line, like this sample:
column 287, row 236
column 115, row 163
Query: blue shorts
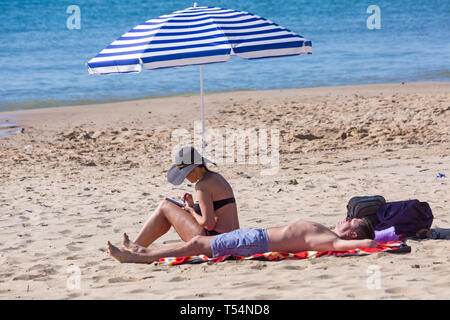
column 240, row 242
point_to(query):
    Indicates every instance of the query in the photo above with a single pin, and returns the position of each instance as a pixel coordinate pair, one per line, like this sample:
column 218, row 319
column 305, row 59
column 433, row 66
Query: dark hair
column 365, row 230
column 204, row 166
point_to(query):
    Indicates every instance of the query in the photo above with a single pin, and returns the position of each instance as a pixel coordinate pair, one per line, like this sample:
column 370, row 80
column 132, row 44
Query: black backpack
column 365, row 207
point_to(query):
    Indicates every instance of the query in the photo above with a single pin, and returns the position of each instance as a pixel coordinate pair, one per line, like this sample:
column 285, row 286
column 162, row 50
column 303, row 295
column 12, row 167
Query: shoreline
column 70, row 103
column 211, row 98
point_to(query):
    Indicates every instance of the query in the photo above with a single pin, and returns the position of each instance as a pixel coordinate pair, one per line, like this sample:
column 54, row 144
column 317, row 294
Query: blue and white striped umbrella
column 197, row 36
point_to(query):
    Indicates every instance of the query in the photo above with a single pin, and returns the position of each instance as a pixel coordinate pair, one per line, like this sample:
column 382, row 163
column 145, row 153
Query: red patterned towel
column 394, row 247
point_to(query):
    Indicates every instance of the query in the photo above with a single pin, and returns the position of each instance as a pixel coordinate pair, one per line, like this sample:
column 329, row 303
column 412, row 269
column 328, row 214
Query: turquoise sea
column 43, row 62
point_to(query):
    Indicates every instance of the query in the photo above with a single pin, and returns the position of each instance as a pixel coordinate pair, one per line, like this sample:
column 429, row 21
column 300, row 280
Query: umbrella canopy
column 197, row 36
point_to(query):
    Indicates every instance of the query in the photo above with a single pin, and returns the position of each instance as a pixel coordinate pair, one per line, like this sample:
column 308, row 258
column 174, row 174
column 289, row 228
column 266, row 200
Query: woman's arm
column 198, row 218
column 207, row 219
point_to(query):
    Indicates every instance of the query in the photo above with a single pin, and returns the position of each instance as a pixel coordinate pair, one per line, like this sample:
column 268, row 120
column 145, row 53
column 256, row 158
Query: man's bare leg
column 196, row 246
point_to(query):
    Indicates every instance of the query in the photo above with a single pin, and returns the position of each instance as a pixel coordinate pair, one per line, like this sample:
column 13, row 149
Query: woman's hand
column 188, row 199
column 189, row 210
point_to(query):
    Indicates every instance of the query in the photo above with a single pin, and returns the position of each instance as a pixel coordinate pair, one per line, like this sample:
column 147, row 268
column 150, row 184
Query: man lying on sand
column 295, row 237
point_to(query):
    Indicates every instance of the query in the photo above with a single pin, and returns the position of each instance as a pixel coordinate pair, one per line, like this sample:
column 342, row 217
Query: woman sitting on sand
column 215, row 213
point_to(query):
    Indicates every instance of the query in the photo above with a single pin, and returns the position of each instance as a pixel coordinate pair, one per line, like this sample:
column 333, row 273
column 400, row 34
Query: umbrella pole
column 203, row 111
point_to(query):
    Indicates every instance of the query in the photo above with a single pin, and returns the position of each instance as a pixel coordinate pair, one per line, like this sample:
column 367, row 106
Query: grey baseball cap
column 185, row 161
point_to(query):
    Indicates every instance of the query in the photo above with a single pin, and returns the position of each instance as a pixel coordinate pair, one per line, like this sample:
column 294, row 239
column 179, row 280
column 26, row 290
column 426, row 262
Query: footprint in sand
column 440, row 268
column 97, row 278
column 187, row 297
column 117, row 230
column 11, row 248
column 120, row 279
column 84, row 236
column 74, row 258
column 267, row 297
column 350, row 288
column 73, row 295
column 71, row 247
column 324, row 276
column 43, row 268
column 101, row 268
column 294, row 267
column 37, row 254
column 27, row 277
column 396, row 290
column 247, row 285
column 137, row 291
column 6, row 275
column 177, row 279
column 91, row 264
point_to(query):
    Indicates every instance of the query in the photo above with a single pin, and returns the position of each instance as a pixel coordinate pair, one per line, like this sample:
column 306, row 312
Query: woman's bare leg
column 196, row 246
column 166, row 215
column 130, row 245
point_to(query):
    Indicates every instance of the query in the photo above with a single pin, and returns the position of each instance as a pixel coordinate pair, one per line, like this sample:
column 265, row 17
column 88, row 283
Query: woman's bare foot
column 126, row 256
column 123, row 256
column 130, row 245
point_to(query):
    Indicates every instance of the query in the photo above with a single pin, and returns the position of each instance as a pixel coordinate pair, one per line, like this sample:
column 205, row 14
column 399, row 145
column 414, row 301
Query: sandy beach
column 79, row 176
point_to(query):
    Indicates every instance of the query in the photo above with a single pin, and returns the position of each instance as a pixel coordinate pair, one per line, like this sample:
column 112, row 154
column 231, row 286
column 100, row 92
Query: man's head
column 354, row 229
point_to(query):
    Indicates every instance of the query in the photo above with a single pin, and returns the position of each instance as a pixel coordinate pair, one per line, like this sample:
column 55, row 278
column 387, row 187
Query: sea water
column 43, row 58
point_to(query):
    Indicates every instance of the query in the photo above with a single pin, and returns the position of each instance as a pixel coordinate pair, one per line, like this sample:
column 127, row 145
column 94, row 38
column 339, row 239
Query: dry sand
column 79, row 176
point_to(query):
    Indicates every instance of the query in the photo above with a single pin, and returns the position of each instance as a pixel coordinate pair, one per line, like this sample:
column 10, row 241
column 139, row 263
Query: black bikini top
column 216, row 204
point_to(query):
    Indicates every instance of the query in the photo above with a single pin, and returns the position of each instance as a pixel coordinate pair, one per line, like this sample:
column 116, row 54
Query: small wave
column 51, row 104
